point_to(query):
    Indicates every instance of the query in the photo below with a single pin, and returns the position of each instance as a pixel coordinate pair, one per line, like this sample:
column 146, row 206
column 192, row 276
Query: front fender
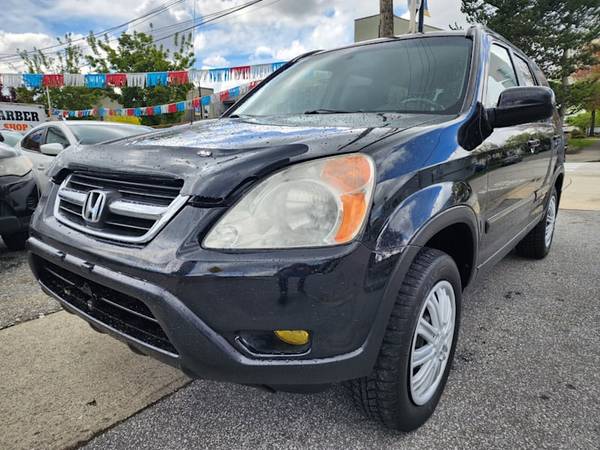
column 416, row 219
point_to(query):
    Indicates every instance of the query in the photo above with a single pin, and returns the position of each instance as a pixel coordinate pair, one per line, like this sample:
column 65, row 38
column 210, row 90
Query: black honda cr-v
column 324, row 228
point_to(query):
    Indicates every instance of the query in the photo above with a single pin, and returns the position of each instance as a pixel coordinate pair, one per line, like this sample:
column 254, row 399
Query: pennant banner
column 169, row 108
column 197, row 77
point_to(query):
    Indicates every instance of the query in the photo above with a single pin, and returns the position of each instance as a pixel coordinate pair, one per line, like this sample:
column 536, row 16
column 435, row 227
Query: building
column 367, row 28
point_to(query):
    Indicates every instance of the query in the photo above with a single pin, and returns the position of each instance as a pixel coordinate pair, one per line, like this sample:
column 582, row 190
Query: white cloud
column 214, row 61
column 10, row 43
column 444, row 13
column 295, row 49
column 264, row 32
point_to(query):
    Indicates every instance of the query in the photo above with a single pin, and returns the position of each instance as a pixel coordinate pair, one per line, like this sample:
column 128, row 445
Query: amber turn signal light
column 293, row 337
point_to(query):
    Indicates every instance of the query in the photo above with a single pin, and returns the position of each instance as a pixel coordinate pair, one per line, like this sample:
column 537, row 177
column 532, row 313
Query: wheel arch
column 441, row 233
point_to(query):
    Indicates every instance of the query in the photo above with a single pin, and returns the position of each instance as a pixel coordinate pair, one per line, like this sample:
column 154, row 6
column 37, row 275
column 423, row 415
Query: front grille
column 115, row 309
column 137, row 207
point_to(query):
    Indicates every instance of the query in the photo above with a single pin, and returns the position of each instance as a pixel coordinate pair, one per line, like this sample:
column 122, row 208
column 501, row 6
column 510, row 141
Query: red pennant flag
column 178, row 77
column 223, row 95
column 116, row 79
column 53, row 81
column 172, row 107
column 149, row 111
column 240, row 72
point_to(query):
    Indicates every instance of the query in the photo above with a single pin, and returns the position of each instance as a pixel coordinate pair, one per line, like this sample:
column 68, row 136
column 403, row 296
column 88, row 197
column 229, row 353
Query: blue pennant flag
column 95, row 80
column 33, row 80
column 157, row 79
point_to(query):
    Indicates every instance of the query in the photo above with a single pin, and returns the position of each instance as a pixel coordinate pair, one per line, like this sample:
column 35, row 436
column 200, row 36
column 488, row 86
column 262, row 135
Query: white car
column 44, row 142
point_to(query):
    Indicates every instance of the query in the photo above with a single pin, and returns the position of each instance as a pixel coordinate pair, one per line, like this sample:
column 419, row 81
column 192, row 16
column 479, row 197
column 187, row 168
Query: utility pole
column 386, row 18
column 421, row 15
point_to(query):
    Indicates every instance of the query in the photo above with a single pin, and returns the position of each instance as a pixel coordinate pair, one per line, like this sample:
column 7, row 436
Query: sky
column 272, row 30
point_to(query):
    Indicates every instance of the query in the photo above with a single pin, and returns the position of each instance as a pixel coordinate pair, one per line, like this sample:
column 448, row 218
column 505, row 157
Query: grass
column 576, row 144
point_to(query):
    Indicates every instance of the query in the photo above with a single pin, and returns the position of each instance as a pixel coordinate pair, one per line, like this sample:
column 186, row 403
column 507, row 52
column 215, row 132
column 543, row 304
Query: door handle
column 533, row 144
column 40, row 167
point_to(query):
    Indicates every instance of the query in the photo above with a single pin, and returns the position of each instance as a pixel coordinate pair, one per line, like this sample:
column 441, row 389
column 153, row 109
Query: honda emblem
column 93, row 206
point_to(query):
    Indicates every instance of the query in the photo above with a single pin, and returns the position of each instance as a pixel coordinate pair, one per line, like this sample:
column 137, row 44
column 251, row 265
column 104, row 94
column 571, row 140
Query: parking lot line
column 62, row 383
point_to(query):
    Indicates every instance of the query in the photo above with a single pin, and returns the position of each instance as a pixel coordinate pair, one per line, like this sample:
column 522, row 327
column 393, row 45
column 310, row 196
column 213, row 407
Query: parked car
column 324, row 228
column 10, row 138
column 45, row 141
column 18, row 197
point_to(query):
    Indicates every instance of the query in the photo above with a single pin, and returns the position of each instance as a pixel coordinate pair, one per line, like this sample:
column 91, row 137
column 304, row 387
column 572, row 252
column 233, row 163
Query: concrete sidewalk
column 62, row 383
column 588, row 154
column 581, row 189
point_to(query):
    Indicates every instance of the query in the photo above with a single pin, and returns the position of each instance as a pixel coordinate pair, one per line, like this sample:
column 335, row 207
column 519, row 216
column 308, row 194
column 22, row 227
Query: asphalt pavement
column 20, row 297
column 525, row 375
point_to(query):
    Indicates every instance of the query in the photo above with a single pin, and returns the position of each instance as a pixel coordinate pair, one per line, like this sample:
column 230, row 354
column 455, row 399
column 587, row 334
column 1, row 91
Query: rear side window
column 33, row 140
column 501, row 75
column 525, row 76
column 55, row 136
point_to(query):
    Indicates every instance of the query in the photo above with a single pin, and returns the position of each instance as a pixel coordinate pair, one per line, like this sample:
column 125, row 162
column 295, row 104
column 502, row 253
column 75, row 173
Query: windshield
column 10, row 137
column 426, row 75
column 94, row 134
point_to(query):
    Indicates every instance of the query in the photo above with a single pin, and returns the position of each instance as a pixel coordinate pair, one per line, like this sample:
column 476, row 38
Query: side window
column 501, row 75
column 56, row 136
column 525, row 76
column 33, row 140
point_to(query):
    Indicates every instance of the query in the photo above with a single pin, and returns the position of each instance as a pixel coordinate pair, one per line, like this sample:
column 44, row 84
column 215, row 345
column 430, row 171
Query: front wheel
column 418, row 346
column 538, row 241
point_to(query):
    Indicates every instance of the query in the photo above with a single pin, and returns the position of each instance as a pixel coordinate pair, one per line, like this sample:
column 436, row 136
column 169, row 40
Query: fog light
column 293, row 337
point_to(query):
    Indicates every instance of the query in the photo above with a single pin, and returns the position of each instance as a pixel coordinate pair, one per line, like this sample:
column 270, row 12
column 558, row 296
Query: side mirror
column 518, row 105
column 51, row 149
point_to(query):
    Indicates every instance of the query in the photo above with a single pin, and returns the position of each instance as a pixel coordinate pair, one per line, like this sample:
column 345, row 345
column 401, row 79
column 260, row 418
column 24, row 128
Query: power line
column 208, row 18
column 165, row 6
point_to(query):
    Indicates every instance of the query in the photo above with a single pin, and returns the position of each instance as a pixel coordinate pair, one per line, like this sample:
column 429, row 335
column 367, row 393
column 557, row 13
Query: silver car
column 45, row 141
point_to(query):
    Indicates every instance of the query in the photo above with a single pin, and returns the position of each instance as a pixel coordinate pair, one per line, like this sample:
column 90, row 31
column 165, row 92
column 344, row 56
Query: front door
column 30, row 145
column 512, row 163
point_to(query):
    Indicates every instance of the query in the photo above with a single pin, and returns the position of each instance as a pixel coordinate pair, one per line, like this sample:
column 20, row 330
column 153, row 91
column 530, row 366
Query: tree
column 386, row 18
column 67, row 60
column 557, row 34
column 586, row 96
column 586, row 93
column 138, row 52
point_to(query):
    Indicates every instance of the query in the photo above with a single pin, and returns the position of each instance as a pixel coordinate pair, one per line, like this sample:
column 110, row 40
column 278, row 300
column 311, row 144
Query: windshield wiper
column 331, row 111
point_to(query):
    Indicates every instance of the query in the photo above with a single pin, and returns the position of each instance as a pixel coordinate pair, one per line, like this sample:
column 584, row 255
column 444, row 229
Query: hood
column 214, row 157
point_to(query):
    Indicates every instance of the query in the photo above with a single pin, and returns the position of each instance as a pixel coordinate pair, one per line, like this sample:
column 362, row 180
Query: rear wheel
column 538, row 241
column 418, row 347
column 15, row 241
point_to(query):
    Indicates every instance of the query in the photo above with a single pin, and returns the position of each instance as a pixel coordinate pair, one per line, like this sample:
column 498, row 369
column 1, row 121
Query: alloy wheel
column 432, row 342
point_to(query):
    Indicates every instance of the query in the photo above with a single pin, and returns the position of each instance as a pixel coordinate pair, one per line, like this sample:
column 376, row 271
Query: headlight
column 16, row 165
column 318, row 203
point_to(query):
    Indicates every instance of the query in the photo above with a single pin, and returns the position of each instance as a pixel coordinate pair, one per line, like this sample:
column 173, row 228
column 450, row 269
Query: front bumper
column 18, row 199
column 204, row 301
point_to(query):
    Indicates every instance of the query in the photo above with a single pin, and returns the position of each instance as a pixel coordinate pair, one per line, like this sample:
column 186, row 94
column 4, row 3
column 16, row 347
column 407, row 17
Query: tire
column 537, row 243
column 15, row 241
column 386, row 394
